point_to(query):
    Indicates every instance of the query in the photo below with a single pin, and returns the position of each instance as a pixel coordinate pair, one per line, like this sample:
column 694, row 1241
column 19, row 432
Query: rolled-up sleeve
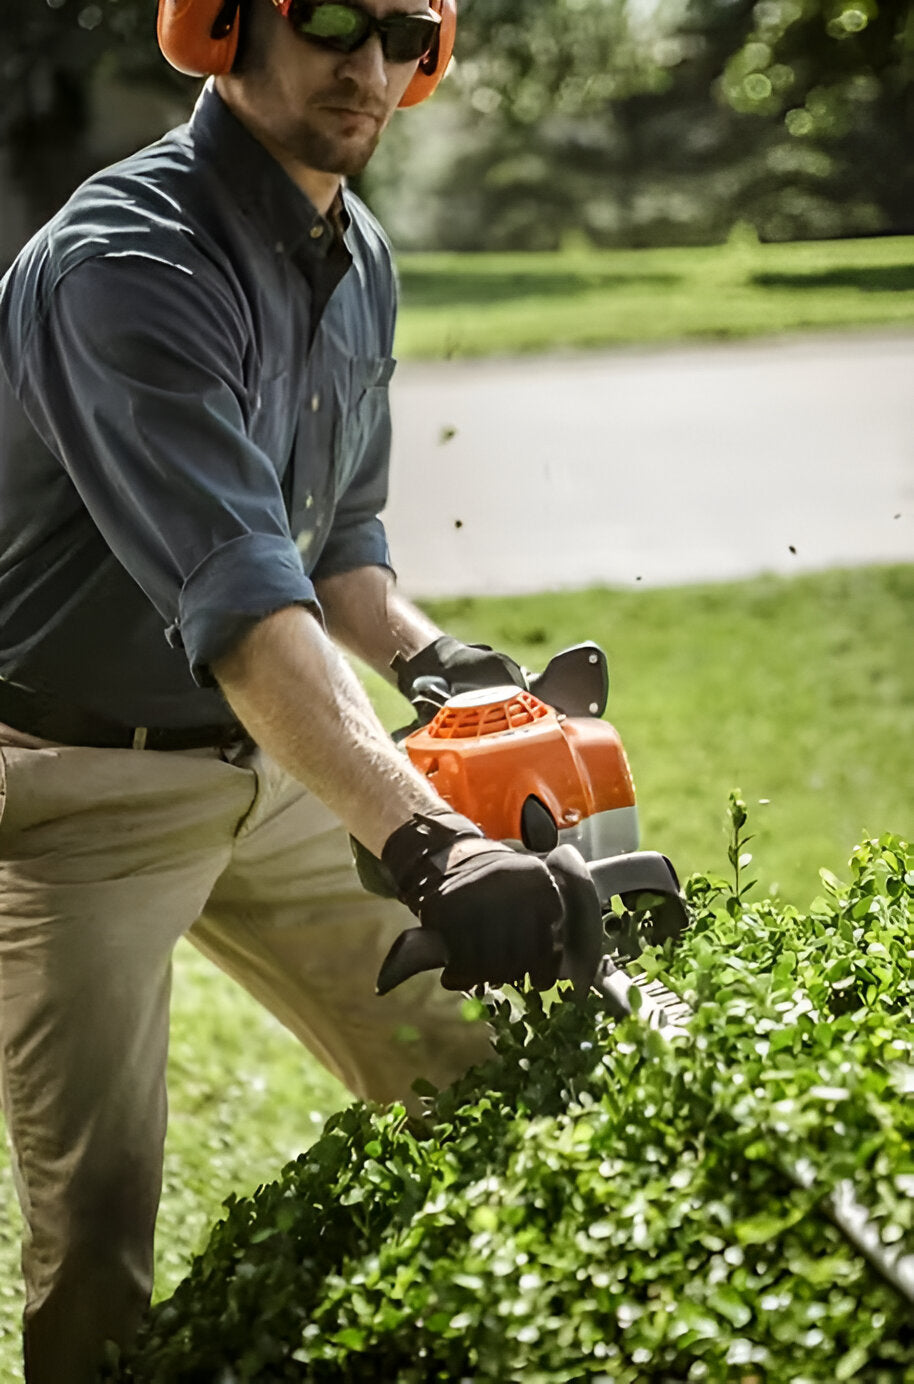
column 215, row 605
column 362, row 544
column 135, row 378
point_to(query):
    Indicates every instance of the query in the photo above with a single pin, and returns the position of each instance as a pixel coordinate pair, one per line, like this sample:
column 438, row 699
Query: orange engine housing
column 487, row 752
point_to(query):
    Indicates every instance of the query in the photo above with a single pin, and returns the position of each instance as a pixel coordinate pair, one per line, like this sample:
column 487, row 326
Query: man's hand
column 462, row 667
column 498, row 913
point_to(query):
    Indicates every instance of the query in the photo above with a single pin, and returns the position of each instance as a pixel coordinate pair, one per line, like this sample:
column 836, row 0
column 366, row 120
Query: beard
column 327, row 153
column 319, row 140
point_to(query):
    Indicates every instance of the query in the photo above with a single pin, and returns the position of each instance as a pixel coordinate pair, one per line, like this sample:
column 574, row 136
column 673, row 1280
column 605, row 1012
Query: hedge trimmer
column 539, row 769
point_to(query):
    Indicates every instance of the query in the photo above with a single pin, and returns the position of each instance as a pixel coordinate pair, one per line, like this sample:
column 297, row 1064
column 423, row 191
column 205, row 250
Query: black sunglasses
column 344, row 28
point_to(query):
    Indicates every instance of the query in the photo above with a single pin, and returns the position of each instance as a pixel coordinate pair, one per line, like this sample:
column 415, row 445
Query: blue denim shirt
column 194, row 421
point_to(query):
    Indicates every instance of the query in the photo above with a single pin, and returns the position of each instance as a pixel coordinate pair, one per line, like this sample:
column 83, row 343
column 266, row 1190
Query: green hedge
column 601, row 1203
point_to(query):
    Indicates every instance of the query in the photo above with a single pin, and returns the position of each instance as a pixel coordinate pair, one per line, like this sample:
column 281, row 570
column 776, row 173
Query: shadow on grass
column 888, row 278
column 440, row 289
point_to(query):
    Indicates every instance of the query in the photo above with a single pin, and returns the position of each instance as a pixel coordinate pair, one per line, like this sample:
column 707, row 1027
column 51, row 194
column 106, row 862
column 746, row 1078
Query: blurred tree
column 794, row 115
column 837, row 76
column 679, row 163
column 54, row 55
column 534, row 133
column 594, row 120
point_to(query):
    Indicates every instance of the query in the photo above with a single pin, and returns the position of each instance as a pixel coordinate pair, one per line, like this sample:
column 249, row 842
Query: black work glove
column 499, row 913
column 462, row 667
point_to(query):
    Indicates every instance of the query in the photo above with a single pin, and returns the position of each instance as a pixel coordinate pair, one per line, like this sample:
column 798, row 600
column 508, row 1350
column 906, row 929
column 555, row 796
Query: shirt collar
column 263, row 189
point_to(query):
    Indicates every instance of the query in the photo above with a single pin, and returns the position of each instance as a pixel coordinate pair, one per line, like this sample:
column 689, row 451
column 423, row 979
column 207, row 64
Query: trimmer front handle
column 422, row 949
column 644, row 880
column 574, row 682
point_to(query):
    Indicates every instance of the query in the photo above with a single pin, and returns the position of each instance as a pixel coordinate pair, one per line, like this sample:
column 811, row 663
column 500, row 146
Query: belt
column 48, row 718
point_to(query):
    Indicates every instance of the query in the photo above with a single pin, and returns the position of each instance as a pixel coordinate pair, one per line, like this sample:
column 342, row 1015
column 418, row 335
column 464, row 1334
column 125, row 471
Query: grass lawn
column 799, row 691
column 504, row 304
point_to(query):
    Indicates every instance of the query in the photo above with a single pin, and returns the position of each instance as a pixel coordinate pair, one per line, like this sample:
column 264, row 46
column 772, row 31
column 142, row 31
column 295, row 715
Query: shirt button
column 316, row 232
column 315, row 402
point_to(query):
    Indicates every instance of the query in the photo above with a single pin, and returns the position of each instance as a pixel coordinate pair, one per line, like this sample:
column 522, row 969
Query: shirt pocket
column 364, row 414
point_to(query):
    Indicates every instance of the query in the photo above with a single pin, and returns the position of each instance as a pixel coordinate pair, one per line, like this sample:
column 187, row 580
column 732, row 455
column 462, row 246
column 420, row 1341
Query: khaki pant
column 107, row 858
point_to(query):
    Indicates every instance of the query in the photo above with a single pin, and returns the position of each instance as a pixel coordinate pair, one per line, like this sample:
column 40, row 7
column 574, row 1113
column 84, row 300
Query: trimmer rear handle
column 574, row 682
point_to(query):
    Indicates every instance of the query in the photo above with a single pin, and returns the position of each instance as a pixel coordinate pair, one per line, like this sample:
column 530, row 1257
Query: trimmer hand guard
column 647, row 885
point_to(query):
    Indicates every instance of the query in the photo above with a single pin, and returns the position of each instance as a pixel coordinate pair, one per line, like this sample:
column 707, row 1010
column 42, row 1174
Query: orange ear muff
column 199, row 37
column 433, row 67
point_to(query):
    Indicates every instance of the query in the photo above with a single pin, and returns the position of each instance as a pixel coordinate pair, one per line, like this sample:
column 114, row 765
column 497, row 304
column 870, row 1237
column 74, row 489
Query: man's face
column 326, row 109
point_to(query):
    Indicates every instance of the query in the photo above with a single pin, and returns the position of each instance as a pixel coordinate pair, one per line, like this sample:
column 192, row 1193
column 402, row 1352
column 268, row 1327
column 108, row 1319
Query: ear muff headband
column 200, row 38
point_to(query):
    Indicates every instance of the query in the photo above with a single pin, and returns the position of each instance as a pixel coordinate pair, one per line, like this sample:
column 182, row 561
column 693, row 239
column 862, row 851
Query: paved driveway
column 653, row 466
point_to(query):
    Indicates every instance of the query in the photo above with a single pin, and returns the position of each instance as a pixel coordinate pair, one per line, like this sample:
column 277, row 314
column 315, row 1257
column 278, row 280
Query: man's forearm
column 368, row 616
column 297, row 696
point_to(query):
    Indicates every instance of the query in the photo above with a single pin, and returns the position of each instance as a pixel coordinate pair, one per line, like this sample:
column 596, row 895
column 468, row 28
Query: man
column 193, row 441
